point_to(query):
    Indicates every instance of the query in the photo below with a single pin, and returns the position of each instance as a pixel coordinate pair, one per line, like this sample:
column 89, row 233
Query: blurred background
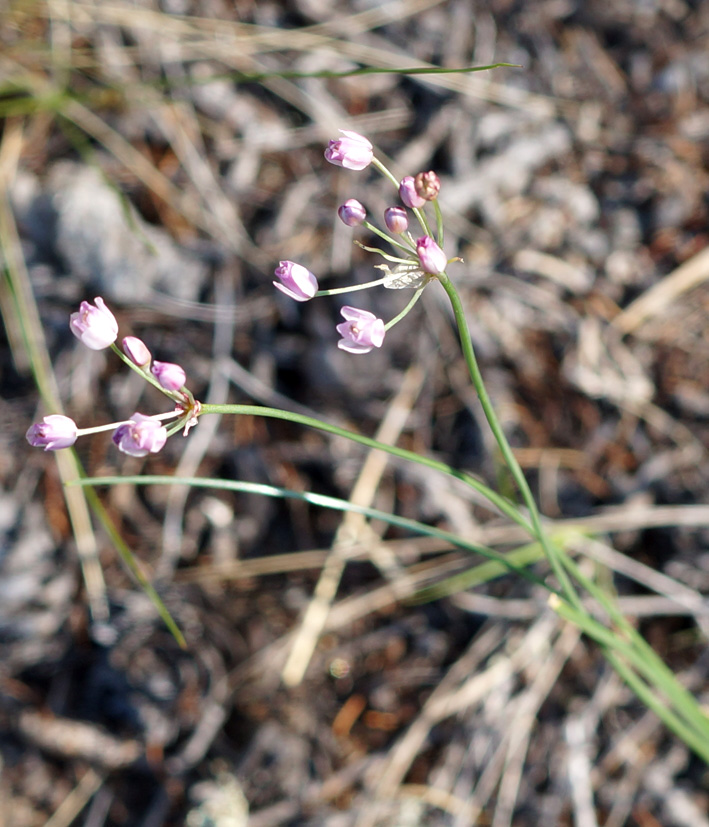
column 158, row 154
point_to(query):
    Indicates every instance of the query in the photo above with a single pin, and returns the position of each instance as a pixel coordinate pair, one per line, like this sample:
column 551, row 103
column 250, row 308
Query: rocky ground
column 143, row 161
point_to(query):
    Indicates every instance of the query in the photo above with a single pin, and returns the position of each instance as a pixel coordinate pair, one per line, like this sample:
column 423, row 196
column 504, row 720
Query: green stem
column 503, row 505
column 383, row 235
column 508, row 562
column 496, row 428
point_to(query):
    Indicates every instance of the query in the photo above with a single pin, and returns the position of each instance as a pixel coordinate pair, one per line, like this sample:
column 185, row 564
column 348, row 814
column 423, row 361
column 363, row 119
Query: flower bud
column 408, row 194
column 396, row 220
column 361, row 331
column 52, row 433
column 141, row 436
column 137, row 351
column 170, row 376
column 94, row 326
column 352, row 212
column 296, row 281
column 427, row 185
column 353, row 151
column 433, row 259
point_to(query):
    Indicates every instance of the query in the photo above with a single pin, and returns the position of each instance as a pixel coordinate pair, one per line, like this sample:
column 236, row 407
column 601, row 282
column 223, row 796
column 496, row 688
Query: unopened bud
column 352, row 212
column 396, row 220
column 427, row 185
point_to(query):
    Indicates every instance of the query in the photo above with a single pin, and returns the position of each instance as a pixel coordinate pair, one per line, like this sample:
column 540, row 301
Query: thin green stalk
column 417, row 295
column 654, row 668
column 383, row 235
column 695, row 741
column 501, row 439
column 337, row 290
column 128, row 557
column 503, row 505
column 324, row 501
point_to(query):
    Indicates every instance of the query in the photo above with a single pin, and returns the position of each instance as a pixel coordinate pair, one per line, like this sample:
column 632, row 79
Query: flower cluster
column 417, row 260
column 96, row 327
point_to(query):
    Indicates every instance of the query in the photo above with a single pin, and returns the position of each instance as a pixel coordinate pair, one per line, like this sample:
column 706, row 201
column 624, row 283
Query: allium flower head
column 141, row 436
column 296, row 281
column 353, row 151
column 433, row 259
column 361, row 330
column 408, row 194
column 137, row 351
column 52, row 433
column 170, row 376
column 396, row 220
column 95, row 326
column 427, row 185
column 352, row 212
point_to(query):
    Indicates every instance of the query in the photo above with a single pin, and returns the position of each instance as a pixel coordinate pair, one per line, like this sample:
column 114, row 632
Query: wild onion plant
column 414, row 260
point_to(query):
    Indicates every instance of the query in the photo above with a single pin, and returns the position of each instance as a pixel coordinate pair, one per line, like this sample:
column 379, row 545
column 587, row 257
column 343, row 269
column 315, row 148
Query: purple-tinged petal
column 352, row 212
column 396, row 219
column 296, row 281
column 52, row 433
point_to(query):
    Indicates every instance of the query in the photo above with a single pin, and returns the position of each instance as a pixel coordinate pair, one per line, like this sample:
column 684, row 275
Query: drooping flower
column 427, row 185
column 352, row 212
column 52, row 433
column 353, row 151
column 433, row 259
column 361, row 330
column 408, row 194
column 296, row 281
column 396, row 220
column 137, row 351
column 95, row 326
column 170, row 376
column 141, row 436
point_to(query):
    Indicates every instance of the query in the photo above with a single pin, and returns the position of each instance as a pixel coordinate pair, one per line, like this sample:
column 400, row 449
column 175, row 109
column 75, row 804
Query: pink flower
column 408, row 194
column 137, row 351
column 352, row 212
column 141, row 436
column 52, row 433
column 361, row 330
column 433, row 259
column 96, row 327
column 396, row 220
column 296, row 281
column 353, row 151
column 170, row 376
